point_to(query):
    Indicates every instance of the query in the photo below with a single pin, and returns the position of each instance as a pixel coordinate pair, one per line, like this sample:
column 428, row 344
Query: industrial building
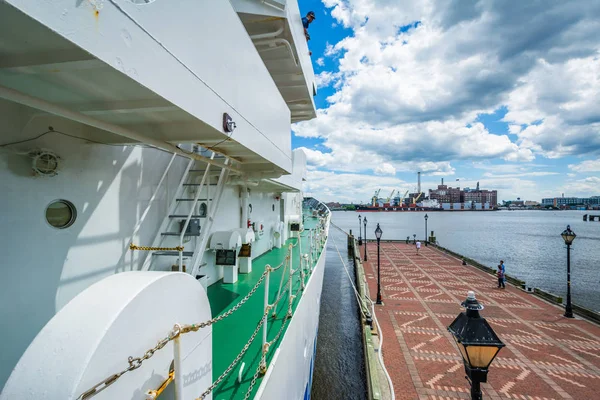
column 445, row 194
column 563, row 201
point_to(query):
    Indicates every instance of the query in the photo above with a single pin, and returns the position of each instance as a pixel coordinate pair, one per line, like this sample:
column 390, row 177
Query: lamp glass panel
column 463, row 352
column 568, row 238
column 481, row 356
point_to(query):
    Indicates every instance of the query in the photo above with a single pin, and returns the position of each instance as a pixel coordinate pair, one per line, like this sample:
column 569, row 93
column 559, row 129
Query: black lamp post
column 365, row 224
column 414, row 238
column 568, row 235
column 359, row 230
column 378, row 233
column 477, row 342
column 426, row 218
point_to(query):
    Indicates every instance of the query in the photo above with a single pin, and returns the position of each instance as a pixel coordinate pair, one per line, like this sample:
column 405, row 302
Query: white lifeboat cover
column 123, row 315
column 247, row 235
column 225, row 240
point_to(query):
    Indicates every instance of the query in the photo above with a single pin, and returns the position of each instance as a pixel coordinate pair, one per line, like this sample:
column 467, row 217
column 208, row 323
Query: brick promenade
column 546, row 356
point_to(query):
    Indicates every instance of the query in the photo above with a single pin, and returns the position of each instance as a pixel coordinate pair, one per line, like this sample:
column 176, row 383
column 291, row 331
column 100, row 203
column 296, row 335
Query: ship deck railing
column 237, row 375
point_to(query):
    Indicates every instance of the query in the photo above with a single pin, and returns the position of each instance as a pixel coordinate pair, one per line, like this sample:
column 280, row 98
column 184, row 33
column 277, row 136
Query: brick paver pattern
column 547, row 356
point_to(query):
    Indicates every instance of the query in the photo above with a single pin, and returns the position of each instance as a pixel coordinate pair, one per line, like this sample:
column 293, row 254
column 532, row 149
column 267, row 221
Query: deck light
column 378, row 233
column 477, row 342
column 568, row 236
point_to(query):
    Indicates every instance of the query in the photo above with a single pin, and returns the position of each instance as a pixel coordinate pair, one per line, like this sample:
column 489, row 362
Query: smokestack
column 419, row 182
column 442, row 181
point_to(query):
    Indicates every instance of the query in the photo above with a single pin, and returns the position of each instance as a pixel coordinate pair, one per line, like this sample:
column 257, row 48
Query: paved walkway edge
column 583, row 312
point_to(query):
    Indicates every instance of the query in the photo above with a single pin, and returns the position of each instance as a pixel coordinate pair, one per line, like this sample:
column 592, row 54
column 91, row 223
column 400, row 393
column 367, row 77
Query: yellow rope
column 148, row 248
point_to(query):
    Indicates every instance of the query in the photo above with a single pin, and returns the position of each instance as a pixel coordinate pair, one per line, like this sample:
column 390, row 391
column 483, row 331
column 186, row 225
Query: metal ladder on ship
column 204, row 209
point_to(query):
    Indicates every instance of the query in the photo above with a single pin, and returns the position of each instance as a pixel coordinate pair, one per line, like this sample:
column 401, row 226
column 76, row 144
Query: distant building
column 571, row 201
column 481, row 196
column 445, row 194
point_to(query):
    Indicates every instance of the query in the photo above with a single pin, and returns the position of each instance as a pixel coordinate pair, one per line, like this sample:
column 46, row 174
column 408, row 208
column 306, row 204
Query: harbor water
column 529, row 242
column 339, row 370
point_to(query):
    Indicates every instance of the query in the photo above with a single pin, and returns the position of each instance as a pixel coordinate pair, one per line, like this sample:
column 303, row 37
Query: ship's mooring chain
column 236, row 360
column 134, row 363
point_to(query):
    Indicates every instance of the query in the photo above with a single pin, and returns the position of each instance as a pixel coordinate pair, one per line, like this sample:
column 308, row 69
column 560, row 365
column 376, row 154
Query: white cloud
column 582, row 187
column 586, row 166
column 385, row 169
column 409, row 99
column 325, row 78
column 320, row 61
column 330, row 186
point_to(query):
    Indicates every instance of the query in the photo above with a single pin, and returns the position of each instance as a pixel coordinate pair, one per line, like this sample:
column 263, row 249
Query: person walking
column 500, row 275
column 503, row 272
column 418, row 245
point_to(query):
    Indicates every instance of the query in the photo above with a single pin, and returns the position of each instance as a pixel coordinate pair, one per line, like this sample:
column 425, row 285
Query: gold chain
column 237, row 359
column 149, row 248
column 252, row 383
column 134, row 363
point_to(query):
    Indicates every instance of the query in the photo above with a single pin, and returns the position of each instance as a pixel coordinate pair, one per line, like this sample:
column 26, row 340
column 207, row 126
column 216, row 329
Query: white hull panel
column 290, row 374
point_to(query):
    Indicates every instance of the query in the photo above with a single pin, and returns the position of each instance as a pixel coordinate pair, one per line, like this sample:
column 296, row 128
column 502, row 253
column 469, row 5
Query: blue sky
column 507, row 96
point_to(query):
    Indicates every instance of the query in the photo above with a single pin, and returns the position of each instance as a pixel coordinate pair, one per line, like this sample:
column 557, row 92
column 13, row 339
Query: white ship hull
column 132, row 153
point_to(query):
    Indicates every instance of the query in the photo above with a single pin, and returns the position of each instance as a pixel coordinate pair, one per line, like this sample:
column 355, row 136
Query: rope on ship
column 149, row 248
column 316, row 244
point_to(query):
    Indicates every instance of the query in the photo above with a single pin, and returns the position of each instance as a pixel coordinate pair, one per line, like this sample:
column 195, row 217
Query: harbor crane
column 391, row 195
column 375, row 198
column 404, row 196
column 415, row 199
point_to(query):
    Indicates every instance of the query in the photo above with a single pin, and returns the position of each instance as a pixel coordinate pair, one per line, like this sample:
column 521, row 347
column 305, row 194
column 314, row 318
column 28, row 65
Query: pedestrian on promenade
column 503, row 270
column 418, row 244
column 500, row 275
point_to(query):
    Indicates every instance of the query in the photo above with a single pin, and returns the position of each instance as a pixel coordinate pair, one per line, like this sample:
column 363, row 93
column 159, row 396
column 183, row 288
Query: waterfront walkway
column 546, row 356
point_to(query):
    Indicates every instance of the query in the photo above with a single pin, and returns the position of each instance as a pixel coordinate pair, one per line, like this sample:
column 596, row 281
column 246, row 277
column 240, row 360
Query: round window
column 61, row 214
column 202, row 210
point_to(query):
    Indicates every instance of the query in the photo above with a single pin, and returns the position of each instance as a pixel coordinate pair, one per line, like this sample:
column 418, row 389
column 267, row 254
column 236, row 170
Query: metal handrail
column 145, row 213
column 189, row 217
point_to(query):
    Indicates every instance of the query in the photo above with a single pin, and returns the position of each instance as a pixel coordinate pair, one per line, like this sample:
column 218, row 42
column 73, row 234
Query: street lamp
column 414, row 238
column 359, row 230
column 477, row 342
column 378, row 233
column 568, row 235
column 426, row 218
column 365, row 223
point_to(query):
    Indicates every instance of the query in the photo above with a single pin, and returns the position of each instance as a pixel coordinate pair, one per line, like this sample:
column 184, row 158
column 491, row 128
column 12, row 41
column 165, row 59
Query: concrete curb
column 371, row 361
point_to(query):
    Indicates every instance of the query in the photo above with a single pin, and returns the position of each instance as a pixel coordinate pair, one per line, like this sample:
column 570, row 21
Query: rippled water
column 529, row 242
column 339, row 371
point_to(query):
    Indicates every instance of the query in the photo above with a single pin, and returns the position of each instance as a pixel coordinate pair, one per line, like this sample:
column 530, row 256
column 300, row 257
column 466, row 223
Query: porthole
column 202, row 210
column 61, row 214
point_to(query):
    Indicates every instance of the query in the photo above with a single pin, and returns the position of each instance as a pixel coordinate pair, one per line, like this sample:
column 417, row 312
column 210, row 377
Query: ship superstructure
column 153, row 231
